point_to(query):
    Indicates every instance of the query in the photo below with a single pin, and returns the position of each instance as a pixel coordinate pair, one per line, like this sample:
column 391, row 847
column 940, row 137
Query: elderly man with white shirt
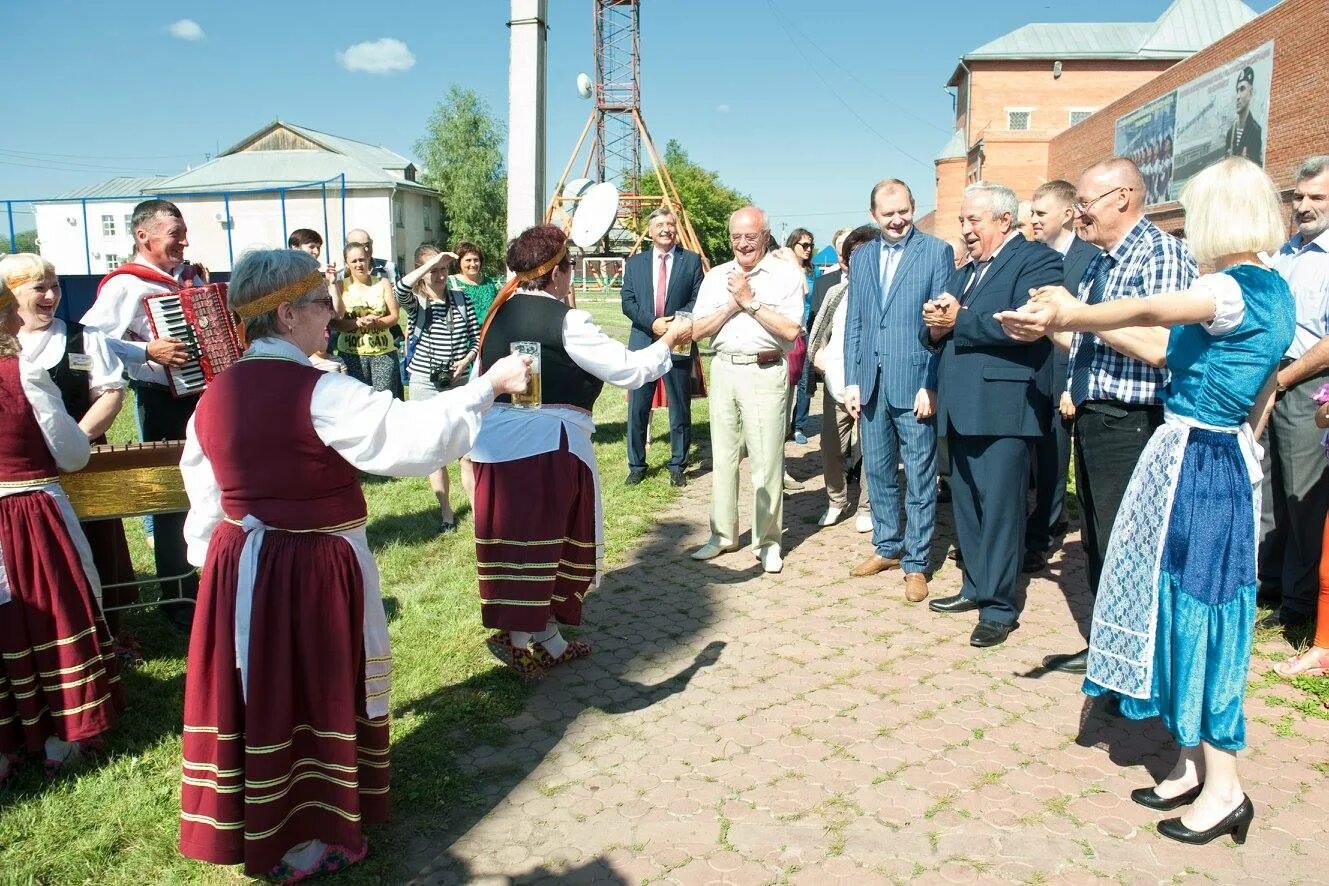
column 751, row 308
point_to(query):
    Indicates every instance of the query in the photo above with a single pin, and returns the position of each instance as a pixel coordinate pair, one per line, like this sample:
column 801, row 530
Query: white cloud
column 723, row 109
column 186, row 29
column 382, row 56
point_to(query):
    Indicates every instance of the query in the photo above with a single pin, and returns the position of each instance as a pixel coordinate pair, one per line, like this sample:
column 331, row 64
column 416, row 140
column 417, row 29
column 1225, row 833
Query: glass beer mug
column 682, row 349
column 529, row 398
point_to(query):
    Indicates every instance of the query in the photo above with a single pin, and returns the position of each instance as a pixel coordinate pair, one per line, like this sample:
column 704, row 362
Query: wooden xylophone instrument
column 200, row 318
column 128, row 480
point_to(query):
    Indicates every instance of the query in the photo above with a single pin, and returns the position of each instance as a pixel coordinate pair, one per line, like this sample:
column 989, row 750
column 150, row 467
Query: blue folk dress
column 1175, row 611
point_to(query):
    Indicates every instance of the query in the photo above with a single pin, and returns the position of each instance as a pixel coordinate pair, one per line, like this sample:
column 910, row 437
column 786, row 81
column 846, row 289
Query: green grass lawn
column 115, row 818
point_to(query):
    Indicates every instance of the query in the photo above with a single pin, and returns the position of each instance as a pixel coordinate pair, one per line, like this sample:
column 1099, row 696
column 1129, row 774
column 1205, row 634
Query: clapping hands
column 1045, row 312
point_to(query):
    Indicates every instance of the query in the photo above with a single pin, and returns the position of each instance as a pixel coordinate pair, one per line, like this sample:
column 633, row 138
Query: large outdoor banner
column 1145, row 135
column 1223, row 113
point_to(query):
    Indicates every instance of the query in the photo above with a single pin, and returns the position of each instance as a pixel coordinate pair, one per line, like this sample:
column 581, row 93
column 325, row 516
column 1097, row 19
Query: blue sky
column 758, row 90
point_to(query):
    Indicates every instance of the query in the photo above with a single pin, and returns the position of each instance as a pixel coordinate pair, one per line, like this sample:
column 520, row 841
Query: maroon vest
column 23, row 452
column 254, row 426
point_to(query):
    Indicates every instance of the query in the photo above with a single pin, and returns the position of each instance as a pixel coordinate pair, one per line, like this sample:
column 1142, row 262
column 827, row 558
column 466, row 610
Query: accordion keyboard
column 168, row 318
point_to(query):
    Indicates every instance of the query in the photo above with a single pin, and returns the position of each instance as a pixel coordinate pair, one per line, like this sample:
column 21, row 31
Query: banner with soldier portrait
column 1223, row 113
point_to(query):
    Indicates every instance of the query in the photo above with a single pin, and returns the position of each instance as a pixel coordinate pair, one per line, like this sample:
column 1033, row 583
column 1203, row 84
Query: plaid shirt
column 1146, row 262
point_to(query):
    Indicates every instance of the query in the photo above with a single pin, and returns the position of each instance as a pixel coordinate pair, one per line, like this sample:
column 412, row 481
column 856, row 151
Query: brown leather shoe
column 915, row 587
column 874, row 564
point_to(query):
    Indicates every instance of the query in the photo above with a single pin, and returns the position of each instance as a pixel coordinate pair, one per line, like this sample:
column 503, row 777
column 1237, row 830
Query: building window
column 129, row 227
column 108, row 225
column 112, row 262
column 1017, row 120
column 1079, row 115
column 399, row 212
column 429, row 217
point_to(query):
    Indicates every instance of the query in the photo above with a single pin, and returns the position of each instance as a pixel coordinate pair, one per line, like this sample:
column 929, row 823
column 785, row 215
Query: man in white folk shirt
column 158, row 266
column 751, row 309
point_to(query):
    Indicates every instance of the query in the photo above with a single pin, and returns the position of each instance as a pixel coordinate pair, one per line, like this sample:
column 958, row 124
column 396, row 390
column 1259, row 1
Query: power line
column 45, row 154
column 848, row 107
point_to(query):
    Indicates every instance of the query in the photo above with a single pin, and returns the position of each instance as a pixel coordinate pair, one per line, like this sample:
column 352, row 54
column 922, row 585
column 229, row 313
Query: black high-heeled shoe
column 1237, row 823
column 1149, row 797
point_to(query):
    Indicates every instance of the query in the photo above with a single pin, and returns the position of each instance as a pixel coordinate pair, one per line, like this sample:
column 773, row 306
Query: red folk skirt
column 534, row 540
column 299, row 760
column 58, row 673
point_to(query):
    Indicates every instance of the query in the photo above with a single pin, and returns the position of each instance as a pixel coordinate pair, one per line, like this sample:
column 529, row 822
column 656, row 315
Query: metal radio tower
column 620, row 136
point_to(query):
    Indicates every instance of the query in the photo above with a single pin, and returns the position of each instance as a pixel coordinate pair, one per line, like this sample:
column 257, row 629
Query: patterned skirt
column 298, row 758
column 58, row 672
column 534, row 539
column 382, row 372
column 1189, row 665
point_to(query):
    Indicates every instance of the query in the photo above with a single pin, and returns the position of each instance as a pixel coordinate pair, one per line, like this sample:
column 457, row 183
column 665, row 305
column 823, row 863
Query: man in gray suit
column 891, row 381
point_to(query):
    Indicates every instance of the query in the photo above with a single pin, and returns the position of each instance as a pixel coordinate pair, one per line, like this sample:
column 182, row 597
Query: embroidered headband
column 288, row 293
column 548, row 266
column 14, row 281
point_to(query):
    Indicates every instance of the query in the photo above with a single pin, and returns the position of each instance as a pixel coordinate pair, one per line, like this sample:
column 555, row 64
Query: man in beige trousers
column 751, row 308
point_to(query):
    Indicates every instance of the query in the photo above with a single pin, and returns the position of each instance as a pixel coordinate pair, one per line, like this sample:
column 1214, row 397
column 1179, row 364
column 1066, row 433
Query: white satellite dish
column 584, row 85
column 576, row 187
column 595, row 214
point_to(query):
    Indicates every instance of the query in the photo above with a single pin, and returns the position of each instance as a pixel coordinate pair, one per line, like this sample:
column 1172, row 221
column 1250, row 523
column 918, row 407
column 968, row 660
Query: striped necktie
column 1084, row 354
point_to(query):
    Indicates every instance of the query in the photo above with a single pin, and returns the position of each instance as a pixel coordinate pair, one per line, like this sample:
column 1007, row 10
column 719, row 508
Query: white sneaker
column 830, row 517
column 863, row 522
column 711, row 550
column 770, row 559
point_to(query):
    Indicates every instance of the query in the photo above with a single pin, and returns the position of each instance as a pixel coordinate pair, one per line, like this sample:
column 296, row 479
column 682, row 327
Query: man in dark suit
column 657, row 283
column 891, row 381
column 994, row 401
column 1052, row 220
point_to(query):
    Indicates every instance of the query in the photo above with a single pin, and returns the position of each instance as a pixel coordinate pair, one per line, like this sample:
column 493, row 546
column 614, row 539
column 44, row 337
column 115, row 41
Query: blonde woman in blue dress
column 1175, row 612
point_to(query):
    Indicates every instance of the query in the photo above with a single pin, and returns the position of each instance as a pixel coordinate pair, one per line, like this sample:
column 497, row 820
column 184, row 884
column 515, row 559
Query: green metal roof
column 275, row 169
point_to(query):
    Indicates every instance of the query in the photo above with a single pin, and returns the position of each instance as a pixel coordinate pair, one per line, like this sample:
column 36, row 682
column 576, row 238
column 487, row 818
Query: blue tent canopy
column 826, row 256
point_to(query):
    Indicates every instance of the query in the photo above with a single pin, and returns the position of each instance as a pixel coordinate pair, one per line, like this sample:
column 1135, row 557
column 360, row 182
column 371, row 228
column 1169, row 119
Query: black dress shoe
column 635, row 476
column 676, row 478
column 1237, row 823
column 1072, row 663
column 954, row 603
column 989, row 633
column 957, row 557
column 1149, row 797
column 1034, row 561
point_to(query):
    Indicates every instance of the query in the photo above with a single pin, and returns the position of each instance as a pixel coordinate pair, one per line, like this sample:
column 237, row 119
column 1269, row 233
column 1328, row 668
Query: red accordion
column 200, row 318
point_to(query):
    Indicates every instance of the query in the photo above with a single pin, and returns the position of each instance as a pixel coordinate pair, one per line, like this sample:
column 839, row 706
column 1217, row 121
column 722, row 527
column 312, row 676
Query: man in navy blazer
column 1052, row 220
column 994, row 402
column 891, row 381
column 657, row 283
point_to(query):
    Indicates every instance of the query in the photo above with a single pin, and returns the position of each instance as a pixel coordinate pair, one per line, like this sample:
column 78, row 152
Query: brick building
column 1017, row 93
column 1297, row 125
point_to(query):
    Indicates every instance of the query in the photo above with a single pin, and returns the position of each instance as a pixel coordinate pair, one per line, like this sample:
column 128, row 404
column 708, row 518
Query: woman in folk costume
column 286, row 690
column 59, row 686
column 539, row 538
column 1175, row 611
column 90, row 379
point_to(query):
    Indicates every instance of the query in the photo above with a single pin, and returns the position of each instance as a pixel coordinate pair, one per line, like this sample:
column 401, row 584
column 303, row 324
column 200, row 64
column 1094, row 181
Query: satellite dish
column 595, row 214
column 584, row 85
column 576, row 187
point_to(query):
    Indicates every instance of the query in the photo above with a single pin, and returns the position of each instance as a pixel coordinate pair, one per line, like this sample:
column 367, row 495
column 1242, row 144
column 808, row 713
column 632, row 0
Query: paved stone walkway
column 807, row 727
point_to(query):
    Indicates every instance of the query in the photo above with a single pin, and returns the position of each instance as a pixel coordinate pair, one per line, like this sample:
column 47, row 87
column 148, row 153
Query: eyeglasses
column 803, row 245
column 747, row 238
column 1083, row 206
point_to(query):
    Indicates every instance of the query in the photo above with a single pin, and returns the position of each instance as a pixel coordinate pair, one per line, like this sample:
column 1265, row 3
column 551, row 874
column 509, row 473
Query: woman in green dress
column 479, row 288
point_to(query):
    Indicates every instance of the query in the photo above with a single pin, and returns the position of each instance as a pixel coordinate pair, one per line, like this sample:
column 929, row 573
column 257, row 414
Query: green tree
column 462, row 152
column 707, row 200
column 26, row 240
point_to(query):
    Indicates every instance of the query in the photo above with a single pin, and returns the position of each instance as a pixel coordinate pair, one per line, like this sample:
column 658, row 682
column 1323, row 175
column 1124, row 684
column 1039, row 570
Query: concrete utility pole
column 526, row 113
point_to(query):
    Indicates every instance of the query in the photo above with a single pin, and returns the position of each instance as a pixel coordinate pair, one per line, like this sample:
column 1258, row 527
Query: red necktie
column 661, row 285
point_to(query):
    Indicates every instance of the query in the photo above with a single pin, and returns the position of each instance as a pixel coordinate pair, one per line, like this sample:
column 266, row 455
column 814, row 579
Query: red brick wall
column 1298, row 125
